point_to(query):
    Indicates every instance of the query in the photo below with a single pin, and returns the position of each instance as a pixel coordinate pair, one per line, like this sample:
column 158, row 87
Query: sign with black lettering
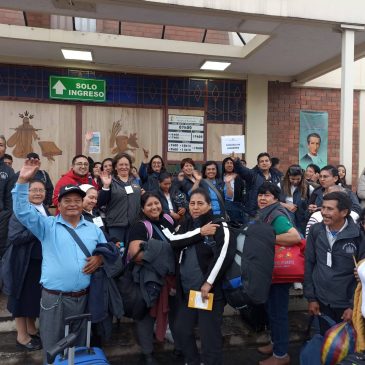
column 185, row 133
column 234, row 144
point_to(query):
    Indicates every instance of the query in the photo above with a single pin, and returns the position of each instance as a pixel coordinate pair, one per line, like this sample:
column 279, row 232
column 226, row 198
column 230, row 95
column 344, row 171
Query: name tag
column 98, row 221
column 329, row 259
column 129, row 189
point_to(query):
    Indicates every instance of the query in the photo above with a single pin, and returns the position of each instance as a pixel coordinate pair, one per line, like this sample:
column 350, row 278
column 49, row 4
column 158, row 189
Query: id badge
column 98, row 221
column 329, row 259
column 129, row 189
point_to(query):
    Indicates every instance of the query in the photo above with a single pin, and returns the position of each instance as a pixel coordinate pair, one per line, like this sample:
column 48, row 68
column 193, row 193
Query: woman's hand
column 106, row 179
column 229, row 178
column 209, row 229
column 28, row 170
column 205, row 289
column 312, row 208
column 181, row 211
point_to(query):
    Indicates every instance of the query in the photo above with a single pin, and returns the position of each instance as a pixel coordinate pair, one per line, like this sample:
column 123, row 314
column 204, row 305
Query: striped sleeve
column 218, row 264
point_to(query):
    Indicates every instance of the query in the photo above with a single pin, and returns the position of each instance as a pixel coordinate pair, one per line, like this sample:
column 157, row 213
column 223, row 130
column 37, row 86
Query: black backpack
column 248, row 279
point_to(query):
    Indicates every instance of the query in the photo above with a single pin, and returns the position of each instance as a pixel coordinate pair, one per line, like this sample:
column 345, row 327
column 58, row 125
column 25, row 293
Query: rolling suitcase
column 65, row 353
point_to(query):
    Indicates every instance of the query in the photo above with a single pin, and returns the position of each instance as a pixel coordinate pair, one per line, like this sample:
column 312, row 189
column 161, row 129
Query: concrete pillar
column 361, row 132
column 256, row 117
column 347, row 98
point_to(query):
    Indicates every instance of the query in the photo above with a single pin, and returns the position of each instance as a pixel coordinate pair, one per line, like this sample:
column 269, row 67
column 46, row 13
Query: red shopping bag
column 289, row 263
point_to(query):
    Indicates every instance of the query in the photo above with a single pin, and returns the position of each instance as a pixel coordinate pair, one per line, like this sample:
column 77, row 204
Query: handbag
column 310, row 353
column 339, row 341
column 289, row 263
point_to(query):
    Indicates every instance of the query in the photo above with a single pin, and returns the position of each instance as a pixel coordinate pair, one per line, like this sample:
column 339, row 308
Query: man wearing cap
column 78, row 175
column 42, row 175
column 65, row 268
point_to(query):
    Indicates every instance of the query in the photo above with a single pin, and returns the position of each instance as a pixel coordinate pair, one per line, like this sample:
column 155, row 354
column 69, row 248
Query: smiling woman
column 121, row 197
column 25, row 294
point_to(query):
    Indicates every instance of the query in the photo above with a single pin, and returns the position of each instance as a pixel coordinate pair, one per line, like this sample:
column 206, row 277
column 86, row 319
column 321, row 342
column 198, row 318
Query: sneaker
column 298, row 286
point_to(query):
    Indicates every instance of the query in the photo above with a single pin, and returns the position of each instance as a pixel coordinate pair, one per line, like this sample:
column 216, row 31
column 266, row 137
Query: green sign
column 74, row 88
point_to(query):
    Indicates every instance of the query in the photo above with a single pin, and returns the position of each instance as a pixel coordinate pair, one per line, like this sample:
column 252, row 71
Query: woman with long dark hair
column 210, row 181
column 149, row 172
column 295, row 194
column 234, row 191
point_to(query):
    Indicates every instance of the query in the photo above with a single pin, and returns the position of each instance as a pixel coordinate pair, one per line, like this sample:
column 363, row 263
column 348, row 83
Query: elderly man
column 332, row 246
column 78, row 174
column 65, row 268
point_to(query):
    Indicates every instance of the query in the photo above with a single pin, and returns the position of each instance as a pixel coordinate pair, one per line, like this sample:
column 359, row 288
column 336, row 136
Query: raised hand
column 197, row 175
column 106, row 179
column 88, row 136
column 146, row 153
column 28, row 170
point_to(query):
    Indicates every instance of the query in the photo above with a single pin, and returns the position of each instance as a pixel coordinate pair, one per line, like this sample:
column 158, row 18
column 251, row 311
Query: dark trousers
column 209, row 324
column 334, row 313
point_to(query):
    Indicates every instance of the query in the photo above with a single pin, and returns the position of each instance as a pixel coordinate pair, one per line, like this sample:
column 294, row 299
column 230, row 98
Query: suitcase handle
column 78, row 317
column 61, row 345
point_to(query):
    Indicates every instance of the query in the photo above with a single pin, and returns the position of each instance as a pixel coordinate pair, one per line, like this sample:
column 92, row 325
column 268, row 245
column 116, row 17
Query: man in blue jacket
column 66, row 270
column 332, row 246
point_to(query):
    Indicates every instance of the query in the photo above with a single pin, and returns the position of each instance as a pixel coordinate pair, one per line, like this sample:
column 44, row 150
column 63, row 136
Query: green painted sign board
column 74, row 88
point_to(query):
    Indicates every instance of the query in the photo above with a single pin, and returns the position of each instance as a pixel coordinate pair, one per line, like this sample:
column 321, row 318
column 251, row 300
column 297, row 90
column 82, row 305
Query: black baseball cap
column 68, row 189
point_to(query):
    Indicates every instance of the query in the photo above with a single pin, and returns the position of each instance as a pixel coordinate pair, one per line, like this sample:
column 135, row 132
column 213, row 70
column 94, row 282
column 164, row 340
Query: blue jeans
column 277, row 310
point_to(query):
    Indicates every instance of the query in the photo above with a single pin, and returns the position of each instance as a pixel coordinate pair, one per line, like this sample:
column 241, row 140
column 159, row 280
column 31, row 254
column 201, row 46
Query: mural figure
column 23, row 138
column 123, row 142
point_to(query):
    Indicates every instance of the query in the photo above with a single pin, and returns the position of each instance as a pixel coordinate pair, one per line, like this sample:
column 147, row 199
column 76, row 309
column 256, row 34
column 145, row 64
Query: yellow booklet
column 195, row 301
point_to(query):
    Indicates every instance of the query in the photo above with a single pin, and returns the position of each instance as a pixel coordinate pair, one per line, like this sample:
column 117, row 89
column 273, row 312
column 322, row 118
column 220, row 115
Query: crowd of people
column 166, row 226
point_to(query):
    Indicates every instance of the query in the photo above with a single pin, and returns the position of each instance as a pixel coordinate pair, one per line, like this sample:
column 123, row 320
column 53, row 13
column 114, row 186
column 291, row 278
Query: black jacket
column 25, row 247
column 213, row 261
column 7, row 180
column 335, row 285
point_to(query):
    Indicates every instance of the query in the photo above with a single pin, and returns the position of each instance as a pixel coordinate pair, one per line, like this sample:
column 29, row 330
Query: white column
column 347, row 99
column 256, row 117
column 361, row 132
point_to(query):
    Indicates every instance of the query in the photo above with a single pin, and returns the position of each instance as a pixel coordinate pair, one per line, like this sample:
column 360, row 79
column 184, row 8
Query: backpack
column 149, row 226
column 248, row 279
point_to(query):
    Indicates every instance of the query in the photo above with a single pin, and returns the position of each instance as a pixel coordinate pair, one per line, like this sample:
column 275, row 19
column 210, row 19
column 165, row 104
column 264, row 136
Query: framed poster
column 313, row 138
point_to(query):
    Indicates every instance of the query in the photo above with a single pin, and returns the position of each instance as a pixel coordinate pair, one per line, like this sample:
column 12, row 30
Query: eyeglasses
column 156, row 163
column 34, row 190
column 86, row 164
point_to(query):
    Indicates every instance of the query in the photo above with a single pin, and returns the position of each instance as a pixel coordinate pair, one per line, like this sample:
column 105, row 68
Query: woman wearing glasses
column 25, row 263
column 295, row 194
